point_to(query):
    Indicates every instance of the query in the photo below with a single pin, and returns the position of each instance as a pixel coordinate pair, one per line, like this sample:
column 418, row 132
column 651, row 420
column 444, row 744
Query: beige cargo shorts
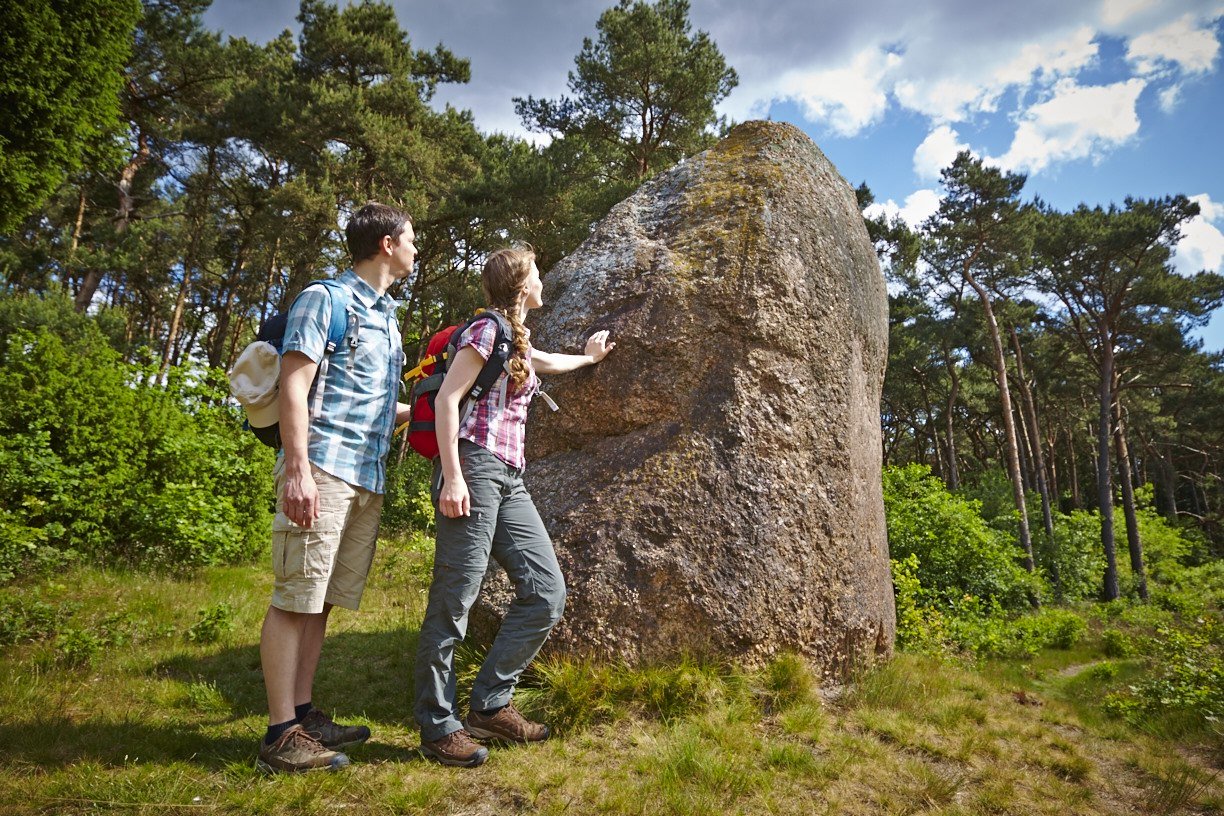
column 329, row 562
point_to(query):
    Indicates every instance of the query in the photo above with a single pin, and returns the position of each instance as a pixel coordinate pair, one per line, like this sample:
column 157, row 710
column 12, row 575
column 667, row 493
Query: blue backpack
column 273, row 333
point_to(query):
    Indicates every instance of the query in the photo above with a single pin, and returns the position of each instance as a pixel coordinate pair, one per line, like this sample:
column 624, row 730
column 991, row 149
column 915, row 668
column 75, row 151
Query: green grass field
column 150, row 700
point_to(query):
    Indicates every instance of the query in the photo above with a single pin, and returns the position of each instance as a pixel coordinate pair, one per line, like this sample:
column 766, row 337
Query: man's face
column 403, row 252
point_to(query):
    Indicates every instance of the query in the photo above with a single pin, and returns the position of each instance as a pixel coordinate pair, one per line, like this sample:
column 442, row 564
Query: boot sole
column 264, row 767
column 477, row 759
column 493, row 736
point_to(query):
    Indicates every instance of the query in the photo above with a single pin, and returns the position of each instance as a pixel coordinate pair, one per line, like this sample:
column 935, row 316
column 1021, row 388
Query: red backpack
column 426, row 379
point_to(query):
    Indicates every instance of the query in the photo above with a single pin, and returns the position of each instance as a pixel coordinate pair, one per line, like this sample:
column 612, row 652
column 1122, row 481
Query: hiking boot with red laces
column 507, row 724
column 298, row 750
column 457, row 749
column 332, row 734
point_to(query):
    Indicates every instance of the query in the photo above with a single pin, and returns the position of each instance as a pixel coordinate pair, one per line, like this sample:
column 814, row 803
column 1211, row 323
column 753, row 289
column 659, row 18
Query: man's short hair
column 365, row 230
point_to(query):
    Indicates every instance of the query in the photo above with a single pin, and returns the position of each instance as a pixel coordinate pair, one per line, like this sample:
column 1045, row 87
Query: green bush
column 920, row 624
column 76, row 647
column 25, row 619
column 407, row 506
column 215, row 622
column 988, row 631
column 1115, row 643
column 98, row 459
column 958, row 553
column 1186, row 676
column 932, row 623
column 1076, row 554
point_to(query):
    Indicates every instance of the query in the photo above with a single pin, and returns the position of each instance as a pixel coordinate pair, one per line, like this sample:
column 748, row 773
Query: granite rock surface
column 713, row 487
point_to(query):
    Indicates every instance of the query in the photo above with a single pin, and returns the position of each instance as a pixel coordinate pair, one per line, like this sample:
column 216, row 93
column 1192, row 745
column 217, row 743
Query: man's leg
column 309, row 650
column 280, row 647
column 292, row 635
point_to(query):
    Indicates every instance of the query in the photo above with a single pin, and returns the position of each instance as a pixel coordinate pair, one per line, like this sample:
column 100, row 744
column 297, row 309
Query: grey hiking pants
column 504, row 523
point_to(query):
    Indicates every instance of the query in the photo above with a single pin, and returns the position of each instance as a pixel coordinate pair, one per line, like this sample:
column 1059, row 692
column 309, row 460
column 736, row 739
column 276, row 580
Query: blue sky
column 1094, row 101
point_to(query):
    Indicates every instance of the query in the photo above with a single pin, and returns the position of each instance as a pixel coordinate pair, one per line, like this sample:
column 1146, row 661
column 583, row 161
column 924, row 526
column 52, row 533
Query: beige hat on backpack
column 255, row 382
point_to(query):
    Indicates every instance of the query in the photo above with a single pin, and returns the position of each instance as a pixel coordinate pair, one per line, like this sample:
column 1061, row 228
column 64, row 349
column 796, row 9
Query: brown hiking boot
column 508, row 725
column 332, row 734
column 298, row 750
column 456, row 749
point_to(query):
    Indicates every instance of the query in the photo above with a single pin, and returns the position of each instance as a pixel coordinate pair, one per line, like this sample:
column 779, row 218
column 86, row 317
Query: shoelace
column 304, row 739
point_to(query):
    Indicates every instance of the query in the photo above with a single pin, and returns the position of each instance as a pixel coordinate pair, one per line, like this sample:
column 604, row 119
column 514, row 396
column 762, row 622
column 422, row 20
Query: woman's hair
column 504, row 282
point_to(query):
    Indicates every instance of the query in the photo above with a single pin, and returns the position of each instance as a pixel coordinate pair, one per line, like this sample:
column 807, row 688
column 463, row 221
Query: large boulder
column 713, row 487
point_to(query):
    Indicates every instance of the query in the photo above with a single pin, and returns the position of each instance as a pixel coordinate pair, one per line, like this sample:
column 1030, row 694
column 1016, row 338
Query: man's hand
column 301, row 502
column 454, row 500
column 597, row 346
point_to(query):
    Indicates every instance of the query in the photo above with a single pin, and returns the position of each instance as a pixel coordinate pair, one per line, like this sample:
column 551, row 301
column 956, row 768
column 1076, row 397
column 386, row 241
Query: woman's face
column 535, row 289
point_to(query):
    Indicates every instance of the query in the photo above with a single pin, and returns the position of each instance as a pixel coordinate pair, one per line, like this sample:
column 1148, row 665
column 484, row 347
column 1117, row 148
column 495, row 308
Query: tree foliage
column 643, row 91
column 59, row 93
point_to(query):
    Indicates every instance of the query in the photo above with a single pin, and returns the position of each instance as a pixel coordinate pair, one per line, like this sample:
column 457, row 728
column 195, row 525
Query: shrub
column 1186, row 676
column 1115, row 643
column 215, row 621
column 987, row 631
column 407, row 506
column 958, row 553
column 1076, row 555
column 28, row 618
column 920, row 625
column 96, row 458
column 76, row 647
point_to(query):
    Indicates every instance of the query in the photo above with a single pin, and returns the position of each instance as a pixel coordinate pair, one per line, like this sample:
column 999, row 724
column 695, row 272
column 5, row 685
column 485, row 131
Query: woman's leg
column 460, row 560
column 522, row 546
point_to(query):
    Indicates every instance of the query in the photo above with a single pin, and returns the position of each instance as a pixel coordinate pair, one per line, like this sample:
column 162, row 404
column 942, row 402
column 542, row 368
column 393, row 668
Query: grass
column 133, row 693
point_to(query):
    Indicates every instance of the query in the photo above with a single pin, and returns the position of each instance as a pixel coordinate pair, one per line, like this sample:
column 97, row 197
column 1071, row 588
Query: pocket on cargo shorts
column 298, row 552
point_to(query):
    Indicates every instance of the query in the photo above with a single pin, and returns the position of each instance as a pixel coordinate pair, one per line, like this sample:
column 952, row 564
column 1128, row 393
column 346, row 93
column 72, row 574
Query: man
column 329, row 481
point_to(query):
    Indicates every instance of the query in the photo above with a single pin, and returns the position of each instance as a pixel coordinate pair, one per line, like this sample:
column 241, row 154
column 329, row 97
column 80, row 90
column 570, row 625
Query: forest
column 1041, row 361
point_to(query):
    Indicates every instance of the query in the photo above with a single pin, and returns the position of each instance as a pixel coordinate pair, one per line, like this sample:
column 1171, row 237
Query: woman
column 483, row 510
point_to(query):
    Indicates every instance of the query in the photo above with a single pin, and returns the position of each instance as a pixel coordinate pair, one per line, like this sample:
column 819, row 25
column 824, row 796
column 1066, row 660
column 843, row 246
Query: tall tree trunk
column 232, row 354
column 1104, row 482
column 950, row 425
column 123, row 216
column 267, row 292
column 1168, row 481
column 1022, row 447
column 1076, row 502
column 1051, row 455
column 1128, row 504
column 77, row 227
column 190, row 259
column 930, row 431
column 1039, row 465
column 1009, row 427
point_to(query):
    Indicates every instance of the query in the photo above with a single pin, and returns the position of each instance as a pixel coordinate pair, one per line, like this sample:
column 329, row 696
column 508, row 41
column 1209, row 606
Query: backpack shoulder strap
column 337, row 324
column 502, row 347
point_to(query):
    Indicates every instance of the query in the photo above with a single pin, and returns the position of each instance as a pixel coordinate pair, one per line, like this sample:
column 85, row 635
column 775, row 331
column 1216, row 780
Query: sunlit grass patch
column 157, row 720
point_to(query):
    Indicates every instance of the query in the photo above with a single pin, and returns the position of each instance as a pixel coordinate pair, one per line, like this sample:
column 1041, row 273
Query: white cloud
column 1169, row 97
column 849, row 98
column 1202, row 243
column 953, row 89
column 919, row 206
column 1116, row 12
column 937, row 151
column 1075, row 122
column 1184, row 42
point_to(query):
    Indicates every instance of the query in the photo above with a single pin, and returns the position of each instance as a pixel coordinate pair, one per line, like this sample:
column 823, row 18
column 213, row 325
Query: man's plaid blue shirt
column 350, row 433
